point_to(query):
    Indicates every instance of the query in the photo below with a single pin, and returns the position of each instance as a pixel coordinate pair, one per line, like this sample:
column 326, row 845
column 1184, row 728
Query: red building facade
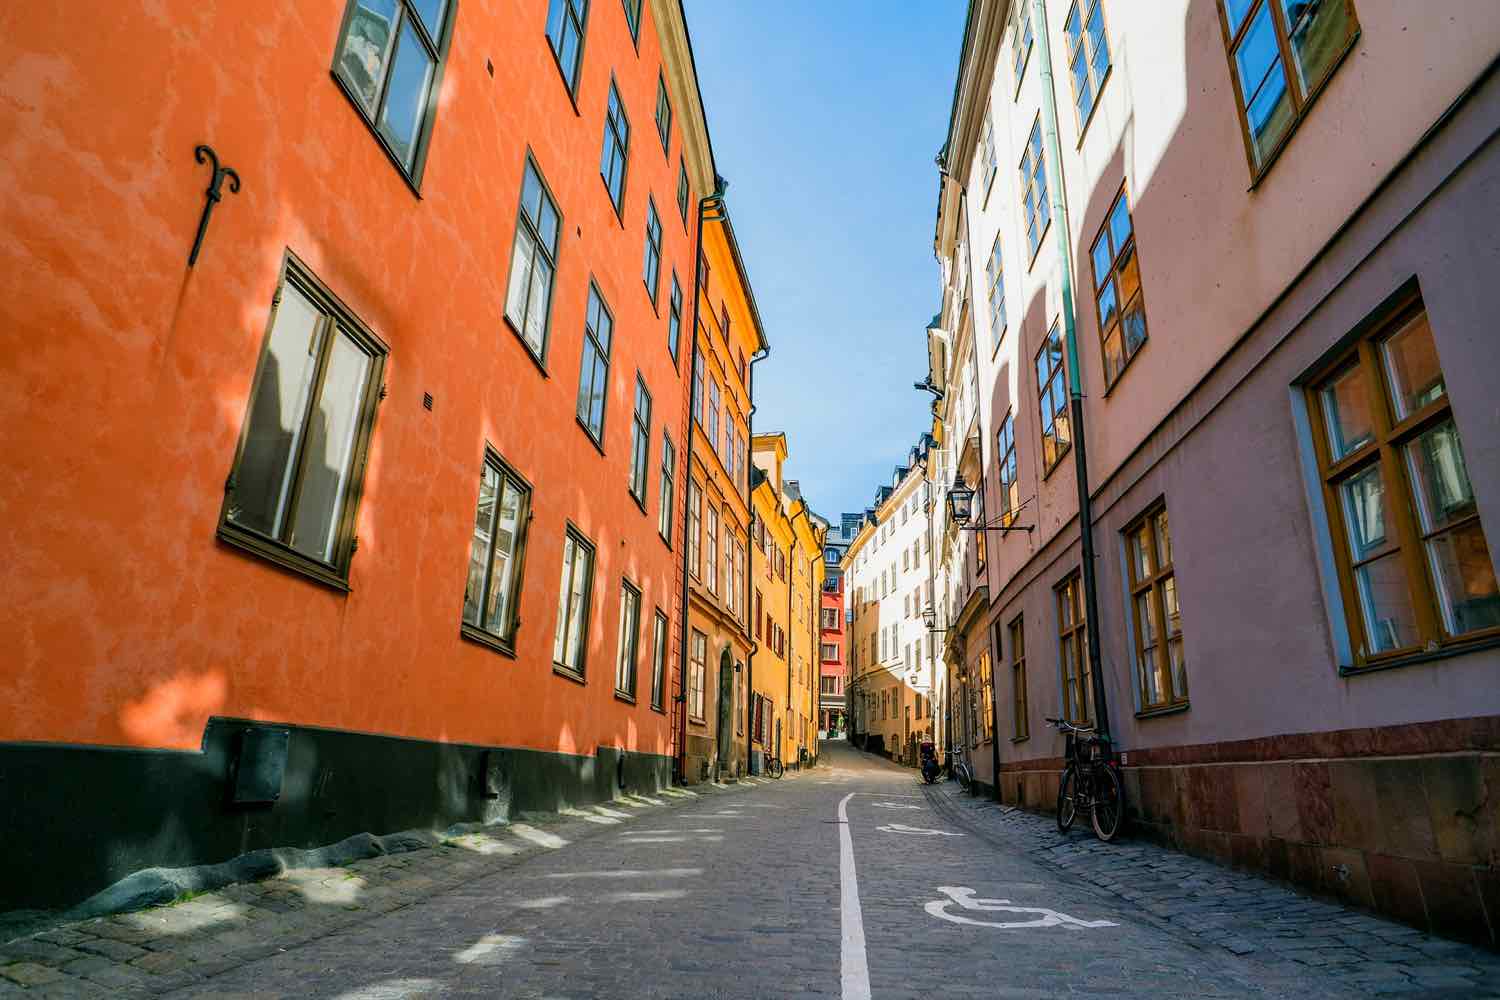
column 832, row 655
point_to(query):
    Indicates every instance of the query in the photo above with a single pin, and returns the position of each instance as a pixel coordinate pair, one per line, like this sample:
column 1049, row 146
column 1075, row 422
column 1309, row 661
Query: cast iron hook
column 204, row 153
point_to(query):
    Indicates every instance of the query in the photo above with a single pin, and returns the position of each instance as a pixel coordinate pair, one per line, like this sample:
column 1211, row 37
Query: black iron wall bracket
column 204, row 153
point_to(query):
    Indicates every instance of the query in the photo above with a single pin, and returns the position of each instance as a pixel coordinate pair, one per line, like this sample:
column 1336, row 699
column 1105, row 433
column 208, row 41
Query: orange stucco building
column 326, row 481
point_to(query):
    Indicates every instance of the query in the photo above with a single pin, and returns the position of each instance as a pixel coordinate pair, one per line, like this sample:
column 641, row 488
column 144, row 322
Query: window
column 995, row 276
column 739, row 700
column 711, row 533
column 1413, row 562
column 616, row 150
column 980, row 546
column 986, row 672
column 663, row 115
column 830, row 652
column 1019, row 717
column 1117, row 290
column 1010, row 489
column 830, row 617
column 573, row 597
column 697, row 655
column 695, row 527
column 493, row 590
column 640, row 441
column 1154, row 611
column 683, row 195
column 1020, row 47
column 702, row 270
column 1088, row 56
column 1034, row 189
column 1052, row 395
column 724, row 320
column 991, row 166
column 533, row 261
column 294, row 491
column 1072, row 631
column 674, row 318
column 633, row 19
column 668, row 486
column 1263, row 38
column 565, row 21
column 593, row 377
column 713, row 413
column 651, row 270
column 659, row 640
column 829, row 685
column 390, row 59
column 630, row 627
column 698, row 387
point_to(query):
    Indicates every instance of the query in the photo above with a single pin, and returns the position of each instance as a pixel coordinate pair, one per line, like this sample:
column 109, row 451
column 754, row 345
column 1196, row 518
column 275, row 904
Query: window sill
column 282, row 556
column 658, row 708
column 698, row 720
column 1480, row 644
column 568, row 673
column 385, row 147
column 1156, row 713
column 624, row 696
column 1259, row 174
column 536, row 359
column 1083, row 127
column 480, row 637
column 589, row 434
column 1019, row 739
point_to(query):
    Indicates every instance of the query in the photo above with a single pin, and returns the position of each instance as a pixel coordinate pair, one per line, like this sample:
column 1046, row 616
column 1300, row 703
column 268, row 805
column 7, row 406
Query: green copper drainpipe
column 1063, row 238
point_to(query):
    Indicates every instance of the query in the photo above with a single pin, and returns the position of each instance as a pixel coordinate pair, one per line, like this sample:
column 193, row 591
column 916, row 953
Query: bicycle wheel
column 773, row 768
column 1109, row 803
column 1067, row 799
column 965, row 780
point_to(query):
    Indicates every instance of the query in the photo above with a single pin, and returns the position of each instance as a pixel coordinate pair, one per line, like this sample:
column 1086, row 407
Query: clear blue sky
column 825, row 117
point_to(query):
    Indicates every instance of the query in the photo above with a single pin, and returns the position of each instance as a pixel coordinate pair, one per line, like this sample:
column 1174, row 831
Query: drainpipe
column 1063, row 239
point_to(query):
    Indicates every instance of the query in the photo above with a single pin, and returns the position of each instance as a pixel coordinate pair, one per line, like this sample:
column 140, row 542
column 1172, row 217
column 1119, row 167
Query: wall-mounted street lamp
column 926, row 385
column 929, row 618
column 961, row 509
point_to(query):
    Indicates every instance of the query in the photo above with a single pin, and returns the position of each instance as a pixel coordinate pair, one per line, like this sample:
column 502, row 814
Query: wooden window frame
column 591, row 342
column 579, row 21
column 336, row 319
column 989, row 162
column 663, row 115
column 580, row 672
column 985, row 667
column 1044, row 392
column 1006, row 466
column 697, row 671
column 528, row 227
column 1034, row 191
column 1153, row 587
column 437, row 48
column 635, row 13
column 994, row 272
column 1072, row 631
column 629, row 672
column 1301, row 102
column 1089, row 53
column 711, row 539
column 667, row 490
column 616, row 127
column 505, row 642
column 661, row 638
column 684, row 192
column 1386, row 450
column 1119, row 258
column 1021, row 58
column 651, row 264
column 695, row 528
column 1020, row 701
column 640, row 443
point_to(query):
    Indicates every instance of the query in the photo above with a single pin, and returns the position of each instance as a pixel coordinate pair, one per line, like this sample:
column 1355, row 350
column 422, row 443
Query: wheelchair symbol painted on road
column 965, row 898
column 915, row 831
column 895, row 805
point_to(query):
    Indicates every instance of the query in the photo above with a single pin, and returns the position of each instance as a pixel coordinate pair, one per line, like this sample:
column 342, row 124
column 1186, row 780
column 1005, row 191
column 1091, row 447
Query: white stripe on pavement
column 855, row 969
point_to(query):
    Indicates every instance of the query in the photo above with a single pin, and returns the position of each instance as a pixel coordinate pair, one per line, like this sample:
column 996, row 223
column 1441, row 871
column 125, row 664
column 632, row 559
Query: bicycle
column 961, row 770
column 773, row 767
column 1091, row 781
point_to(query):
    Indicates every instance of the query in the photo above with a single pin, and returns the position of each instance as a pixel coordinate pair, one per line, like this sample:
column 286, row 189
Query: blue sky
column 825, row 117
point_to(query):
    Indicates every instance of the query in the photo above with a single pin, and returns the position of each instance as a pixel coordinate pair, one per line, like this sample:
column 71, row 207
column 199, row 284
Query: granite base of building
column 1355, row 815
column 75, row 819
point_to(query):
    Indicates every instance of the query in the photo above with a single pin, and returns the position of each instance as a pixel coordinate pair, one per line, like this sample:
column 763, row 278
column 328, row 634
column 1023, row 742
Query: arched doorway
column 726, row 708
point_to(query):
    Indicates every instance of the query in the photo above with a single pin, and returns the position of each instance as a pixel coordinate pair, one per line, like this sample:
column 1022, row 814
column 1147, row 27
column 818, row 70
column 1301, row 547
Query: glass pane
column 1464, row 578
column 507, row 533
column 547, row 225
column 1070, row 28
column 570, row 553
column 1257, row 53
column 1236, row 10
column 1083, row 91
column 431, row 12
column 367, row 45
column 1163, row 541
column 1177, row 660
column 1119, row 223
column 1114, row 355
column 1385, row 604
column 1098, row 45
column 1103, row 259
column 1129, row 274
column 1411, row 366
column 537, row 304
column 1270, row 113
column 1435, row 461
column 277, row 414
column 582, row 571
column 1346, row 412
column 1150, row 666
column 1318, row 30
column 479, row 550
column 1134, row 322
column 1109, row 306
column 1367, row 514
column 330, row 450
column 406, row 96
column 531, row 195
column 520, row 277
column 1140, row 554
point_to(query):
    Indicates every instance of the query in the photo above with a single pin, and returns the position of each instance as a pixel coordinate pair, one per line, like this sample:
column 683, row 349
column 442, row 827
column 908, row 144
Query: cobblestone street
column 736, row 892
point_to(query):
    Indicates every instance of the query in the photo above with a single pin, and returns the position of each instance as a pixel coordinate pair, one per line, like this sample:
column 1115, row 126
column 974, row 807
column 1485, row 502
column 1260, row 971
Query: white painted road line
column 855, row 969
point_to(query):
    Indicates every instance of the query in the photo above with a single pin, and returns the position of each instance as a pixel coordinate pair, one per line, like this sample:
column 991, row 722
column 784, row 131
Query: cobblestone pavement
column 736, row 893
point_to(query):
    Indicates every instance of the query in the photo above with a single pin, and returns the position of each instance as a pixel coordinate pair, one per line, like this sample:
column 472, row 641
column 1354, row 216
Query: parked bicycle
column 773, row 767
column 961, row 769
column 1091, row 781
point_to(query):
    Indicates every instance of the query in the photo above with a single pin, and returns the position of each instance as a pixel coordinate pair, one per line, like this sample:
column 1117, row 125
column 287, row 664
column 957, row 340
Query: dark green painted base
column 74, row 819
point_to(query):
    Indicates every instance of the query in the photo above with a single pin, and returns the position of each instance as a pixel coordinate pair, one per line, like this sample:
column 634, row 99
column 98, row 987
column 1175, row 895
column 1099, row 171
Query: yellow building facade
column 726, row 338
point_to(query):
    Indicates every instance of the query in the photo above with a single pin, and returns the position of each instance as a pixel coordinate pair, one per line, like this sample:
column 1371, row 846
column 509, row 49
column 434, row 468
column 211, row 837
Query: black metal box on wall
column 258, row 765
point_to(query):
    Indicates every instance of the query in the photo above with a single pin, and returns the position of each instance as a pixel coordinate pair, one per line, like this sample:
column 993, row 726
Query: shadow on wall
column 80, row 818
